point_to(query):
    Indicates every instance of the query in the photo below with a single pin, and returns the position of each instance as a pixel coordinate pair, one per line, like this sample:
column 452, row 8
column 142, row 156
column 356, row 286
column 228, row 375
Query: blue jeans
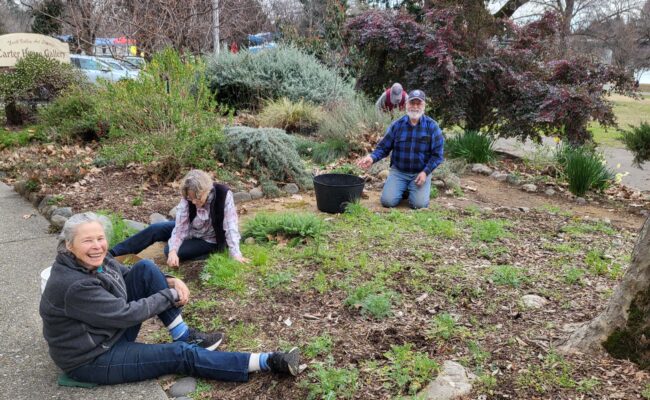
column 399, row 182
column 128, row 361
column 161, row 232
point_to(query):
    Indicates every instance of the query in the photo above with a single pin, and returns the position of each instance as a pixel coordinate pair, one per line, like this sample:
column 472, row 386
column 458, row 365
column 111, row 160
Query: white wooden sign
column 16, row 45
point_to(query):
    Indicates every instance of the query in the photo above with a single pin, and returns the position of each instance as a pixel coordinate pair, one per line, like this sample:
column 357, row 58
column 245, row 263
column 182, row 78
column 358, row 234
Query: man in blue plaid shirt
column 417, row 145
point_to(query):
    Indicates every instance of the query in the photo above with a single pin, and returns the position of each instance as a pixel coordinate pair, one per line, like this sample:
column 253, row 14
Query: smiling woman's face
column 89, row 245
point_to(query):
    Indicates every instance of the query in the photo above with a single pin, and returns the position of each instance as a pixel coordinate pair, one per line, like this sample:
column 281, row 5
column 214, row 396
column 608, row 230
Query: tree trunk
column 12, row 113
column 509, row 8
column 623, row 328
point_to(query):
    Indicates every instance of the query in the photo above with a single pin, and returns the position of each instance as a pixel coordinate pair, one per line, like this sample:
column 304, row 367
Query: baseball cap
column 417, row 94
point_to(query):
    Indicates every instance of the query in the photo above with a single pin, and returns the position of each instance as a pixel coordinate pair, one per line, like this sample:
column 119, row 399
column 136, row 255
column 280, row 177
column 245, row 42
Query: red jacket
column 388, row 104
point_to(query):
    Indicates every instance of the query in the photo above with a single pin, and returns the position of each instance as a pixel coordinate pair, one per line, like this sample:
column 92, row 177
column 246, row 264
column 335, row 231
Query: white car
column 95, row 67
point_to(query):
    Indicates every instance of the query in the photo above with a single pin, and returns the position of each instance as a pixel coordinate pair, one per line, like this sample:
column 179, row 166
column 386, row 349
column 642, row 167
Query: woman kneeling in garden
column 92, row 308
column 206, row 221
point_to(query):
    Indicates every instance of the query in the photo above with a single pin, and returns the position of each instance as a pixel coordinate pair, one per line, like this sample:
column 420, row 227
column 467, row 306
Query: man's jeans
column 399, row 182
column 161, row 232
column 128, row 361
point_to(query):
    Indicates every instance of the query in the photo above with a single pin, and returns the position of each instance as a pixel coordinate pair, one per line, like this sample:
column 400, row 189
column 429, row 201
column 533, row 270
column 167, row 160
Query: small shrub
column 573, row 276
column 265, row 227
column 584, row 169
column 299, row 117
column 319, row 346
column 443, row 327
column 329, row 383
column 267, row 152
column 637, row 141
column 20, row 138
column 472, row 146
column 330, row 150
column 278, row 279
column 349, row 169
column 409, row 370
column 239, row 79
column 223, row 272
column 489, row 230
column 373, row 300
column 74, row 116
column 354, row 121
column 646, row 392
column 508, row 275
column 119, row 229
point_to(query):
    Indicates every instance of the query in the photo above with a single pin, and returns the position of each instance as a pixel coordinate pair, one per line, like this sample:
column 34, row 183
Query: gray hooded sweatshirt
column 86, row 312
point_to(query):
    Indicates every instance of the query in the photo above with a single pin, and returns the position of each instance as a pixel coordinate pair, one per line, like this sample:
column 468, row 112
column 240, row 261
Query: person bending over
column 92, row 308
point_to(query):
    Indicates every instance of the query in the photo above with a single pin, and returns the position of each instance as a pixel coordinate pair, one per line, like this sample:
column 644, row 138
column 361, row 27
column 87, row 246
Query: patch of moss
column 631, row 342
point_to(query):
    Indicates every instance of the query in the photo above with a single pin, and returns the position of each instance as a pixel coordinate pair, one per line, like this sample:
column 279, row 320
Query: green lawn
column 628, row 112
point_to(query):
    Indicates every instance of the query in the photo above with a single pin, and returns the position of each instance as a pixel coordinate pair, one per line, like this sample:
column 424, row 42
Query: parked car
column 138, row 62
column 94, row 68
column 121, row 67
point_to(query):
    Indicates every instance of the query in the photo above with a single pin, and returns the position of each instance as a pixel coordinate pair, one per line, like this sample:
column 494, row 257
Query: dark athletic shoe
column 285, row 363
column 209, row 341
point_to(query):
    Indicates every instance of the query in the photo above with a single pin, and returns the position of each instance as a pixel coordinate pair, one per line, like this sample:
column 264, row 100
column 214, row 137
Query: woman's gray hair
column 69, row 230
column 197, row 182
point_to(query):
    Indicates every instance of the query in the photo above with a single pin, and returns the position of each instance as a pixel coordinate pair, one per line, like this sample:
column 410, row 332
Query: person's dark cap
column 417, row 94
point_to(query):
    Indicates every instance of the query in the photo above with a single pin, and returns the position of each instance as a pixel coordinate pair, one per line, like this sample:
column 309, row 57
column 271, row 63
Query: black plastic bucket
column 334, row 191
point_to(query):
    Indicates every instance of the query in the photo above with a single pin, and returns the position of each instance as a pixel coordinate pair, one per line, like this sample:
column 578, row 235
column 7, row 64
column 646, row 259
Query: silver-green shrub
column 244, row 79
column 267, row 152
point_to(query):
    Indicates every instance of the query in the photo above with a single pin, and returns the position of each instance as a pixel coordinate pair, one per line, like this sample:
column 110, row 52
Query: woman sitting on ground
column 92, row 308
column 206, row 222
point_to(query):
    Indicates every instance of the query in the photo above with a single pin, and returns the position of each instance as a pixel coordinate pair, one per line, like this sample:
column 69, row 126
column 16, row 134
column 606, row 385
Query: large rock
column 529, row 187
column 20, row 187
column 241, row 197
column 381, row 165
column 58, row 220
column 452, row 181
column 45, row 201
column 291, row 188
column 35, row 198
column 172, row 213
column 256, row 193
column 499, row 176
column 513, row 179
column 135, row 225
column 533, row 301
column 156, row 218
column 63, row 211
column 48, row 210
column 481, row 169
column 581, row 200
column 549, row 192
column 182, row 387
column 452, row 382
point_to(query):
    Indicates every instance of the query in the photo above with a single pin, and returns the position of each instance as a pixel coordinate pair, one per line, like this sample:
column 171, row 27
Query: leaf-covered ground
column 385, row 297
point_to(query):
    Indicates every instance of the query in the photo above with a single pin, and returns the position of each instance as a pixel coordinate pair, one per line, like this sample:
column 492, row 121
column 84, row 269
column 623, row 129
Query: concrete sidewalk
column 26, row 370
column 638, row 179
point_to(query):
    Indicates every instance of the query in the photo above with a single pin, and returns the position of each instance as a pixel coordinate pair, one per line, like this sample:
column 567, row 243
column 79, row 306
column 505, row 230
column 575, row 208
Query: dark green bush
column 267, row 152
column 34, row 78
column 243, row 79
column 74, row 116
column 472, row 146
column 637, row 141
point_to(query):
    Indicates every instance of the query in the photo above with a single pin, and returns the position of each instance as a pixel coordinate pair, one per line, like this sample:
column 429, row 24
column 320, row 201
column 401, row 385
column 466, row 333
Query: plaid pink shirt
column 201, row 227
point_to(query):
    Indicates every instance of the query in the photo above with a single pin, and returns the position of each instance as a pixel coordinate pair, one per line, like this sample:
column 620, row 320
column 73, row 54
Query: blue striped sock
column 180, row 332
column 263, row 359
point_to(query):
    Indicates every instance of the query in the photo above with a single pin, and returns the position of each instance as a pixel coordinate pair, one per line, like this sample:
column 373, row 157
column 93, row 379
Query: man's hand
column 241, row 259
column 172, row 259
column 365, row 162
column 181, row 289
column 421, row 178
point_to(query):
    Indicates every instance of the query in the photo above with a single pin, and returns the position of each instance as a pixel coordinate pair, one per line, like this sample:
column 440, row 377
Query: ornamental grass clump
column 637, row 141
column 472, row 146
column 265, row 227
column 584, row 169
column 269, row 153
column 296, row 117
